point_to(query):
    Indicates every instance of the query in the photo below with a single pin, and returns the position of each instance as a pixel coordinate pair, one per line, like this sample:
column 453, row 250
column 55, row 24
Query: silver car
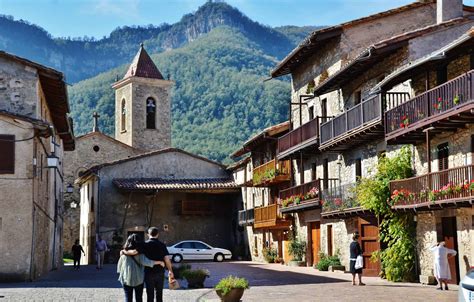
column 197, row 250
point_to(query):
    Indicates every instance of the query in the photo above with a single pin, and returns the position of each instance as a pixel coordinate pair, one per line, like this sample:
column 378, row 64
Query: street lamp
column 69, row 188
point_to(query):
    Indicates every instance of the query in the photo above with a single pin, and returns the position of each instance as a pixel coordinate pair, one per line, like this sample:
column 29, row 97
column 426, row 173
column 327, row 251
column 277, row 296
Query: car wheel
column 219, row 257
column 177, row 258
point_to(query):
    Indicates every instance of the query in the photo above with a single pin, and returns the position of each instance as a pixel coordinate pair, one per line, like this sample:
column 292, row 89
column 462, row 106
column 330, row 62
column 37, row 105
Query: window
column 324, row 110
column 443, row 156
column 201, row 246
column 442, row 74
column 325, row 173
column 123, row 118
column 313, row 171
column 358, row 169
column 357, row 97
column 185, row 245
column 311, row 112
column 7, row 154
column 150, row 113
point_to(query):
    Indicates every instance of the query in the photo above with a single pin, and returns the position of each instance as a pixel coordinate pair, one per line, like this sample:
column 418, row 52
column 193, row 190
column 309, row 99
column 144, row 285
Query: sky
column 97, row 18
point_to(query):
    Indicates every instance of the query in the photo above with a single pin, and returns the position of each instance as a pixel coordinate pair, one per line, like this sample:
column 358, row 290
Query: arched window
column 123, row 118
column 150, row 113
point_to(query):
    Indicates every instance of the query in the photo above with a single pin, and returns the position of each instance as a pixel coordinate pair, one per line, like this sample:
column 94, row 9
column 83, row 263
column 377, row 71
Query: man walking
column 156, row 250
column 100, row 248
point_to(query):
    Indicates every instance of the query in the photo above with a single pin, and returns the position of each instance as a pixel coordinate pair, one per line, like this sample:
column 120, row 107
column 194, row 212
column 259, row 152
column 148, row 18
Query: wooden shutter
column 7, row 154
column 443, row 156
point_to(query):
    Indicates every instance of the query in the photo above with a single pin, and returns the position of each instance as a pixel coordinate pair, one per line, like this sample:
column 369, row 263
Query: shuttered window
column 443, row 156
column 7, row 154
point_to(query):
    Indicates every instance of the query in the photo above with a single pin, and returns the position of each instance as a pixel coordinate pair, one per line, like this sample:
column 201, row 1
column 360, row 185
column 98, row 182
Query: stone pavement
column 269, row 282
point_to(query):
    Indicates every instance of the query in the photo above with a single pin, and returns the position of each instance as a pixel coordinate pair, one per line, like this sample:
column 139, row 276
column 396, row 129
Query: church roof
column 147, row 184
column 143, row 66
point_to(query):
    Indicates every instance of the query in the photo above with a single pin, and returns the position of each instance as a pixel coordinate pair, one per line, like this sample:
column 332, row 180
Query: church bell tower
column 142, row 105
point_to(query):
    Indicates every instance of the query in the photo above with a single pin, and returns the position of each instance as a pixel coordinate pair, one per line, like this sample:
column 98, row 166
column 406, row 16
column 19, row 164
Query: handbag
column 173, row 284
column 359, row 262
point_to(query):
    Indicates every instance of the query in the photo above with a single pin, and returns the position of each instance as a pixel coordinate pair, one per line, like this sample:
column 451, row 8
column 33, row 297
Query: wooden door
column 369, row 242
column 450, row 237
column 315, row 241
column 329, row 237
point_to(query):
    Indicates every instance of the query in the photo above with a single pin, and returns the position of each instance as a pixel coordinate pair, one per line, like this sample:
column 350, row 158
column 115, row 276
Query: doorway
column 369, row 242
column 315, row 228
column 448, row 225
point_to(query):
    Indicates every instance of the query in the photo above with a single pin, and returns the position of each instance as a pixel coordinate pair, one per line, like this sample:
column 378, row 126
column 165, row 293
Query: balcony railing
column 304, row 193
column 452, row 185
column 269, row 217
column 367, row 111
column 299, row 137
column 432, row 103
column 339, row 198
column 246, row 217
column 272, row 172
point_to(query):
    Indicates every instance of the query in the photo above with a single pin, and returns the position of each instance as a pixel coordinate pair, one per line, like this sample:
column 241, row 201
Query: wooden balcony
column 269, row 218
column 340, row 202
column 246, row 217
column 358, row 125
column 272, row 172
column 304, row 137
column 449, row 188
column 305, row 196
column 445, row 108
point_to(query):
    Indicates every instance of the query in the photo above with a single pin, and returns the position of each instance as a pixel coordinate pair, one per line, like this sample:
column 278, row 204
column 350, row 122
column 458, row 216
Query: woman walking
column 441, row 264
column 355, row 251
column 131, row 269
column 76, row 254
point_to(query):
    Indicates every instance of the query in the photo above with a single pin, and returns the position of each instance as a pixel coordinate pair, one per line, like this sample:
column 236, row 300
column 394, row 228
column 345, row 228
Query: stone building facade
column 187, row 197
column 262, row 177
column 35, row 132
column 142, row 120
column 351, row 68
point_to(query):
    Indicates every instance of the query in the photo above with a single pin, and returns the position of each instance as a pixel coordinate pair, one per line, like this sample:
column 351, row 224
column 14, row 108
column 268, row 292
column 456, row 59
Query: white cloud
column 125, row 9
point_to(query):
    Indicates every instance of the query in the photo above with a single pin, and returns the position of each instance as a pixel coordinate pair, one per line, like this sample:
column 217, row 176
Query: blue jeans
column 129, row 293
column 154, row 284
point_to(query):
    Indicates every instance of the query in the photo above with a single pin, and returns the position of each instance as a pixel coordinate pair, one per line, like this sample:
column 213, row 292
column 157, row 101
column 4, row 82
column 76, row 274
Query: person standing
column 131, row 269
column 441, row 264
column 76, row 254
column 100, row 248
column 154, row 276
column 355, row 251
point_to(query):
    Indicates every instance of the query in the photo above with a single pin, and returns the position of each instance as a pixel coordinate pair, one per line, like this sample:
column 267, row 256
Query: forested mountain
column 218, row 58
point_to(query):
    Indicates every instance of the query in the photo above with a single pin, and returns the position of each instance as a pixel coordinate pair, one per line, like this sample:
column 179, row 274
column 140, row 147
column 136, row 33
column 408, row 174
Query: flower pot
column 196, row 282
column 233, row 296
column 296, row 263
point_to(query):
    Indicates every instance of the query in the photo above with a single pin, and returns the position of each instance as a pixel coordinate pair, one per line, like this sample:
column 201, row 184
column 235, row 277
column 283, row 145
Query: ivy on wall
column 397, row 230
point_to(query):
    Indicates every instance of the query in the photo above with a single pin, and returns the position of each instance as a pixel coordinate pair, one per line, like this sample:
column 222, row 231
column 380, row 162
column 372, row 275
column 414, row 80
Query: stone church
column 127, row 183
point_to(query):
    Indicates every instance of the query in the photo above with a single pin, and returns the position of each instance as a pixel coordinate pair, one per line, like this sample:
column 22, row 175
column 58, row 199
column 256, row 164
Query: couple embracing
column 144, row 262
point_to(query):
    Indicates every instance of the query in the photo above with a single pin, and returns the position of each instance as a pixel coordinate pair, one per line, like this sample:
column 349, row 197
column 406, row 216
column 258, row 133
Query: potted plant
column 270, row 254
column 231, row 288
column 296, row 249
column 195, row 278
column 178, row 270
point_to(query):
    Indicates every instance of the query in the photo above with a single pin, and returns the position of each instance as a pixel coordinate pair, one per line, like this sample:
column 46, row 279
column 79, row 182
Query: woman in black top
column 76, row 254
column 355, row 251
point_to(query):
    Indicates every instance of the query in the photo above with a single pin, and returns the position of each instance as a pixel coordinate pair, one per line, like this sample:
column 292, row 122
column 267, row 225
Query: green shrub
column 270, row 254
column 297, row 249
column 195, row 273
column 178, row 270
column 326, row 261
column 226, row 284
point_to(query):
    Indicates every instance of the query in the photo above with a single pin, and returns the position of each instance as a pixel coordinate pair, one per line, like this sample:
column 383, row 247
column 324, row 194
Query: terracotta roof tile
column 145, row 184
column 143, row 66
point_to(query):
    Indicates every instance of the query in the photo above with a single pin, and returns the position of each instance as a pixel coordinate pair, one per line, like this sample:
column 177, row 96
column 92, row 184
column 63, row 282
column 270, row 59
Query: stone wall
column 91, row 149
column 18, row 88
column 342, row 231
column 135, row 91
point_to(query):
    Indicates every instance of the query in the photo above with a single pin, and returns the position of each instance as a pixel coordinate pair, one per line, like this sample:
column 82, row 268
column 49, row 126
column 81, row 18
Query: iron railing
column 246, row 217
column 339, row 198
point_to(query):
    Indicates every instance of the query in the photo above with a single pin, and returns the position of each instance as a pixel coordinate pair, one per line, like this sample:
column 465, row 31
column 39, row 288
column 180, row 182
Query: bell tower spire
column 142, row 105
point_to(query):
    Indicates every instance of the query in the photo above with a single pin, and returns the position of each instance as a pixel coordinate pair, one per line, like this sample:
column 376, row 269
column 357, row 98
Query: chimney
column 448, row 9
